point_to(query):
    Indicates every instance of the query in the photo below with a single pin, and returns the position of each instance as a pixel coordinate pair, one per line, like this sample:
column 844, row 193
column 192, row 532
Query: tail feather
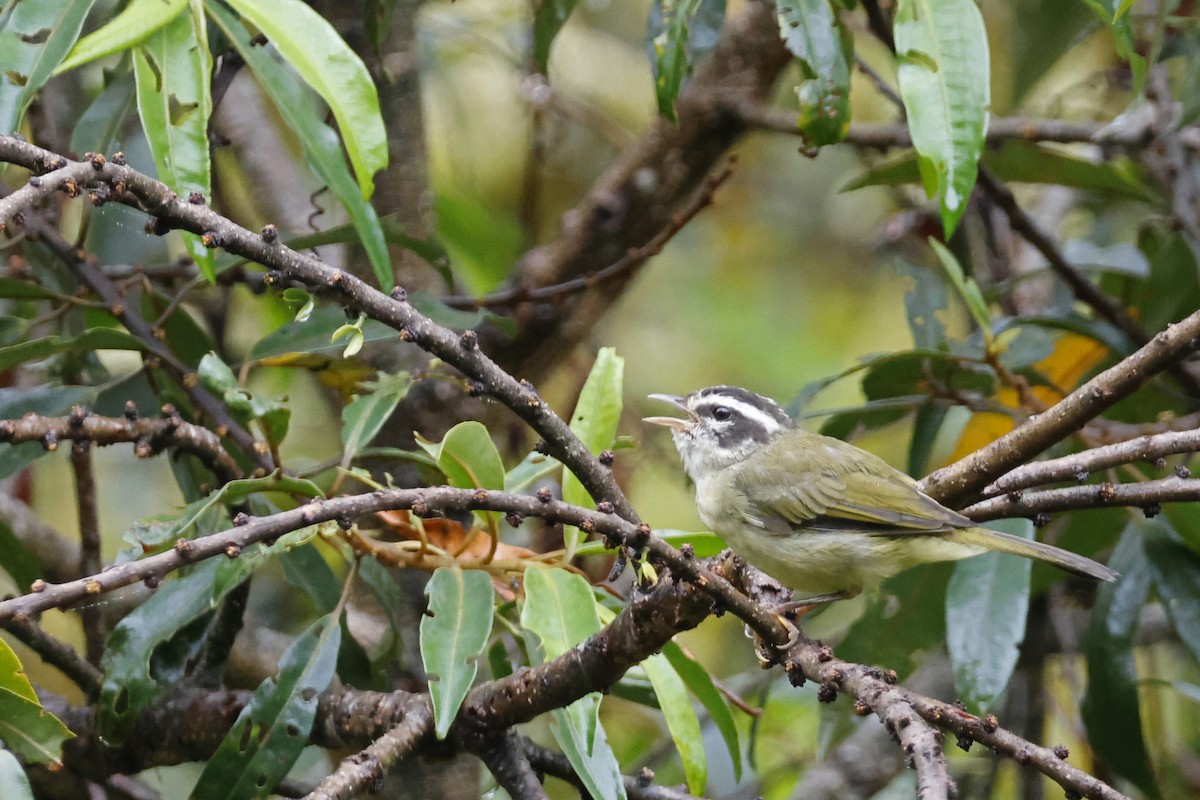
column 1027, row 548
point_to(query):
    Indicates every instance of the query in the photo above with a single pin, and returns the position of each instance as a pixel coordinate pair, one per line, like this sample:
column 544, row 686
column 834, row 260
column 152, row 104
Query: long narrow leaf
column 943, row 74
column 812, row 33
column 273, row 727
column 681, row 719
column 173, row 68
column 34, row 38
column 134, row 24
column 594, row 421
column 321, row 145
column 327, row 64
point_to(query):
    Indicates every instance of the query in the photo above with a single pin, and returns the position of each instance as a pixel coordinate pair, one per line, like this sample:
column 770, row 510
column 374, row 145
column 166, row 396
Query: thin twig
column 637, row 787
column 366, row 768
column 636, row 257
column 89, row 538
column 1146, row 494
column 148, row 436
column 1079, row 465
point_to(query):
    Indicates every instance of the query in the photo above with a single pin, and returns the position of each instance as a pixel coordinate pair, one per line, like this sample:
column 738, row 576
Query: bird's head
column 722, row 426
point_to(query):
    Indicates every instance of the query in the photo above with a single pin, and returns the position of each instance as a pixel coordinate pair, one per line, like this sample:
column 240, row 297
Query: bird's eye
column 722, row 413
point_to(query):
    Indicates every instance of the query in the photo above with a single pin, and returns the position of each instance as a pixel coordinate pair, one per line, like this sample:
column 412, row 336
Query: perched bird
column 818, row 514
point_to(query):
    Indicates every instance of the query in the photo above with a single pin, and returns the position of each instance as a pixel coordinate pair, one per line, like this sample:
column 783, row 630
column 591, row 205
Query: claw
column 793, row 634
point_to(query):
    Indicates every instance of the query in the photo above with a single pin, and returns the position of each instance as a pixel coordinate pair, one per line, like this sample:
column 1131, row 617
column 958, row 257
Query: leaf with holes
column 35, row 35
column 325, row 62
column 453, row 634
column 812, row 33
column 320, row 142
column 173, row 70
column 942, row 50
column 273, row 728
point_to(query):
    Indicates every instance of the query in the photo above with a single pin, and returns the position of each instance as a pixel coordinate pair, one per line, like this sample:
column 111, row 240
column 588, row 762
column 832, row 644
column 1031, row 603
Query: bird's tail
column 1063, row 559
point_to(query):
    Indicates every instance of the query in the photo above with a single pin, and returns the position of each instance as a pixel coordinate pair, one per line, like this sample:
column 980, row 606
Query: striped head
column 724, row 425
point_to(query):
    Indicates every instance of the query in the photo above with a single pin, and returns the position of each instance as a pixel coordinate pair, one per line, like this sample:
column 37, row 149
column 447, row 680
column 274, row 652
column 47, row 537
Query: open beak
column 674, row 423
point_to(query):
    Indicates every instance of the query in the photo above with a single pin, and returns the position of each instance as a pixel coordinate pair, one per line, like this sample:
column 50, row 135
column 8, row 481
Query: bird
column 821, row 515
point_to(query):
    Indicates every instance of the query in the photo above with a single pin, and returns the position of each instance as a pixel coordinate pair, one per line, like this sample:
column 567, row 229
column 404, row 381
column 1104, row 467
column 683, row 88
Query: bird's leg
column 786, row 613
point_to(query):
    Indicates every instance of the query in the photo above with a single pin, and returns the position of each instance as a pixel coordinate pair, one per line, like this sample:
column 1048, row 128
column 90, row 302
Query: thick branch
column 969, row 475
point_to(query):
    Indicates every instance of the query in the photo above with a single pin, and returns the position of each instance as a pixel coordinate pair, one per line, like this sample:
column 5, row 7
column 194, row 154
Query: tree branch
column 1146, row 495
column 969, row 475
column 149, row 437
column 462, row 352
column 1078, row 466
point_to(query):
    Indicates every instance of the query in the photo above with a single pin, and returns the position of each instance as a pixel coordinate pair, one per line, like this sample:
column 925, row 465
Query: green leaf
column 35, row 35
column 467, row 456
column 1026, row 162
column 548, row 20
column 1112, row 13
column 700, row 683
column 86, row 342
column 366, row 414
column 925, row 304
column 813, row 34
column 16, row 560
column 986, row 605
column 173, row 69
column 453, row 634
column 942, row 50
column 681, row 33
column 313, row 335
column 136, row 22
column 703, row 543
column 481, row 239
column 907, row 617
column 25, row 727
column 326, row 63
column 681, row 719
column 594, row 421
column 129, row 684
column 50, row 401
column 274, row 726
column 1111, row 709
column 967, row 289
column 14, row 784
column 321, row 145
column 560, row 610
column 16, row 289
column 532, row 469
column 592, row 759
column 305, row 569
column 1175, row 568
column 100, row 126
